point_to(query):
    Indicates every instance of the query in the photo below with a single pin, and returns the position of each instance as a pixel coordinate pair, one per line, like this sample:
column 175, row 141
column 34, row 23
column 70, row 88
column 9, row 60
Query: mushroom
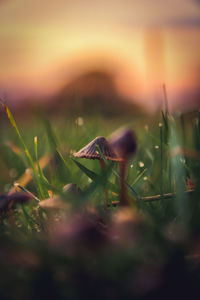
column 8, row 200
column 124, row 144
column 53, row 204
column 90, row 152
column 56, row 203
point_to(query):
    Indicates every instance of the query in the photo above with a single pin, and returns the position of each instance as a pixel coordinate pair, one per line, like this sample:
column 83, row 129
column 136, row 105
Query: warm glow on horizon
column 45, row 44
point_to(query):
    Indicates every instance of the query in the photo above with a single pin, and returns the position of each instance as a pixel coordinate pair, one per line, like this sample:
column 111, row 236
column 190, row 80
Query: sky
column 44, row 44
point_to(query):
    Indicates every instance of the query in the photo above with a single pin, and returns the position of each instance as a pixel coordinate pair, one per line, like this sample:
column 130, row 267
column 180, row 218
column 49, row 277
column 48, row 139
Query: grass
column 147, row 249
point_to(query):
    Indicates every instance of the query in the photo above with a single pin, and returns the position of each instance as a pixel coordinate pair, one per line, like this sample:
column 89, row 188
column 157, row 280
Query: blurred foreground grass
column 82, row 250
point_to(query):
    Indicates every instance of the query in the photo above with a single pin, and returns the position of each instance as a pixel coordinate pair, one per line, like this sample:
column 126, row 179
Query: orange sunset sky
column 44, row 44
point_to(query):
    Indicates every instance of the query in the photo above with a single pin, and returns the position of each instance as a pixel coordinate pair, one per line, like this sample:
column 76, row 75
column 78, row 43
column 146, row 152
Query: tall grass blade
column 99, row 181
column 27, row 191
column 165, row 99
column 54, row 144
column 92, row 175
column 161, row 159
column 26, row 151
column 42, row 176
column 166, row 128
column 138, row 177
column 179, row 176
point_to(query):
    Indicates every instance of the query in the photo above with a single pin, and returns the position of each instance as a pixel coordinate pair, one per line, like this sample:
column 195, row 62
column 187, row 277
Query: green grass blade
column 166, row 127
column 161, row 159
column 63, row 160
column 179, row 175
column 138, row 177
column 54, row 144
column 42, row 176
column 92, row 175
column 99, row 181
column 28, row 192
column 165, row 99
column 27, row 153
column 198, row 122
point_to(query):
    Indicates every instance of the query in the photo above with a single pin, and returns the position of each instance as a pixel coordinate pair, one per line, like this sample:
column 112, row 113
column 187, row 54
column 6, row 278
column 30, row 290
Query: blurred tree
column 92, row 92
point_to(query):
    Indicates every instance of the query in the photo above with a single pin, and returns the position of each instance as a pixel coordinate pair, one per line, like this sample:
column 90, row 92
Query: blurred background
column 100, row 55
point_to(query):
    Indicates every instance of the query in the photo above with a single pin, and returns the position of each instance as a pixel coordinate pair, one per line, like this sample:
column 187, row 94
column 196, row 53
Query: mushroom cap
column 8, row 200
column 90, row 151
column 123, row 142
column 54, row 203
column 72, row 188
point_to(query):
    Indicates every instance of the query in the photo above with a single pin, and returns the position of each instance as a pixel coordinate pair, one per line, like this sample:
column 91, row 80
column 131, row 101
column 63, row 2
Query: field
column 74, row 247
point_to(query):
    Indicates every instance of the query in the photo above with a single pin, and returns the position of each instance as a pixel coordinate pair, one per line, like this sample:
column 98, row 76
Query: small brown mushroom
column 56, row 203
column 72, row 188
column 53, row 204
column 8, row 200
column 124, row 144
column 90, row 152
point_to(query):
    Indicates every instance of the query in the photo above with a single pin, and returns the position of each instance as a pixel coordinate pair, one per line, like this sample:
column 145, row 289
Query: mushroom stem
column 123, row 193
column 103, row 165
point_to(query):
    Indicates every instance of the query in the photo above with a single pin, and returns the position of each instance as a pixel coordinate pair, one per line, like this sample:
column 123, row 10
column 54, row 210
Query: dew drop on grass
column 182, row 160
column 141, row 164
column 79, row 121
